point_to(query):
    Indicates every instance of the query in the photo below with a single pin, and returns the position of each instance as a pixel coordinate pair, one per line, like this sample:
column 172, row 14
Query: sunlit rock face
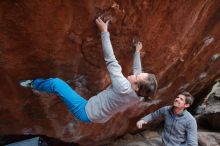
column 181, row 42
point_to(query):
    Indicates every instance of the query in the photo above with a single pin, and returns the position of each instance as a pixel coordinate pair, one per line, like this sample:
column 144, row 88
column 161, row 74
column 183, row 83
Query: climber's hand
column 138, row 46
column 103, row 26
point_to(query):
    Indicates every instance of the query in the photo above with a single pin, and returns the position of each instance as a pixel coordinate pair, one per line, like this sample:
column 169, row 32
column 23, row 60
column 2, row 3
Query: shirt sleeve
column 137, row 68
column 158, row 113
column 192, row 133
column 119, row 82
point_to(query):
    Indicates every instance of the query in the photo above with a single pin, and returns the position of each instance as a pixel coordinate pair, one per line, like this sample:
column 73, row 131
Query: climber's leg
column 74, row 102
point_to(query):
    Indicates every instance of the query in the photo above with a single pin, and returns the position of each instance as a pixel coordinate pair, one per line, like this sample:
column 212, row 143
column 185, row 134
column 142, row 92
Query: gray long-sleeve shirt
column 119, row 95
column 178, row 130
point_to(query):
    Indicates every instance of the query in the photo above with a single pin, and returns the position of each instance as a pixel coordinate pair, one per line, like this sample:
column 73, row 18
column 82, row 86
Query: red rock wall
column 59, row 39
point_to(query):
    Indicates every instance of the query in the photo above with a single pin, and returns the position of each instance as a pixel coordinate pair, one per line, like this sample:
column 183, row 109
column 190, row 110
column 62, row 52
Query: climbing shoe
column 27, row 83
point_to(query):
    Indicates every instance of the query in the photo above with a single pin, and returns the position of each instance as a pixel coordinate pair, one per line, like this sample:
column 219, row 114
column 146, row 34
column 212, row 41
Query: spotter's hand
column 140, row 123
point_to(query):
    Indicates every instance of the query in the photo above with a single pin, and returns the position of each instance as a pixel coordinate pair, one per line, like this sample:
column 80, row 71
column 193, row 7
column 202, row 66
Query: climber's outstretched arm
column 119, row 82
column 137, row 68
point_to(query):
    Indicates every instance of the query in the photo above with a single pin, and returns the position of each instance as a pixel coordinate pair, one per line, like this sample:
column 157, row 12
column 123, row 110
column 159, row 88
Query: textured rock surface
column 208, row 138
column 209, row 112
column 146, row 138
column 151, row 138
column 60, row 39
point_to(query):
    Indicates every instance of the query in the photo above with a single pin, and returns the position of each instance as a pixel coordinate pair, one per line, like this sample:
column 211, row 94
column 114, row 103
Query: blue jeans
column 74, row 102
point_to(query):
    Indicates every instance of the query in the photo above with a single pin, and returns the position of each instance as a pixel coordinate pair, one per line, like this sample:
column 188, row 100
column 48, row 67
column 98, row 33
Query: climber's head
column 144, row 84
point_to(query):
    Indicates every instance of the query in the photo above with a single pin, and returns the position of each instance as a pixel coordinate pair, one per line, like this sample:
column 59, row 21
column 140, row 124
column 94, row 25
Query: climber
column 123, row 92
column 180, row 127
